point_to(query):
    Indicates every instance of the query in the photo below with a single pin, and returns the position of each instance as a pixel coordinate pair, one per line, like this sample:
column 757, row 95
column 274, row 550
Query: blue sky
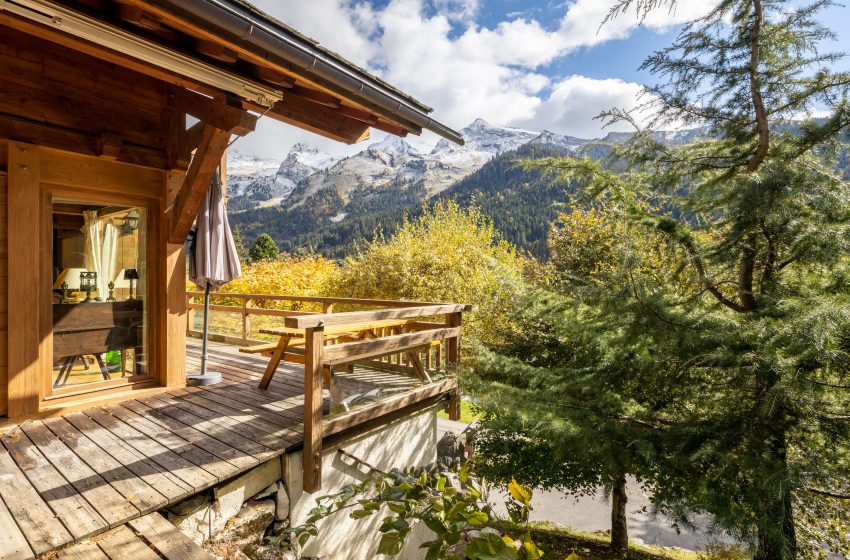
column 537, row 64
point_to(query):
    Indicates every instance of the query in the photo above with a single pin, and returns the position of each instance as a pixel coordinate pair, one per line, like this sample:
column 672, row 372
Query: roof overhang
column 236, row 49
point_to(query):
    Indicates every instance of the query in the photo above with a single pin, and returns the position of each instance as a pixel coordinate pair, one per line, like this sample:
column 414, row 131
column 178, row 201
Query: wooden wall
column 4, row 277
column 53, row 96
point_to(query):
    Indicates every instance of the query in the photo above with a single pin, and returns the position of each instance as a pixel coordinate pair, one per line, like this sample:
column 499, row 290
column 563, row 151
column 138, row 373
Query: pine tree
column 737, row 369
column 264, row 249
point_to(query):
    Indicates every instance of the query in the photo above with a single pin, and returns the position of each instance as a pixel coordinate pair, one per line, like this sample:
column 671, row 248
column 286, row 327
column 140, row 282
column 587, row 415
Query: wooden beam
column 453, row 321
column 207, row 159
column 386, row 406
column 139, row 17
column 274, row 77
column 42, row 134
column 349, row 317
column 193, row 136
column 216, row 50
column 316, row 96
column 24, row 246
column 322, row 120
column 313, row 401
column 352, row 351
column 213, row 112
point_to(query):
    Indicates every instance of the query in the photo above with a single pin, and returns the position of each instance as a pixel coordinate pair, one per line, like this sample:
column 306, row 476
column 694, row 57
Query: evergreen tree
column 736, row 370
column 264, row 249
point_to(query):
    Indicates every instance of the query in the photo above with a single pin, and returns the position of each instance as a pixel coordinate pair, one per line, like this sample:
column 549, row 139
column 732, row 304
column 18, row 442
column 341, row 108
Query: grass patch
column 467, row 415
column 559, row 542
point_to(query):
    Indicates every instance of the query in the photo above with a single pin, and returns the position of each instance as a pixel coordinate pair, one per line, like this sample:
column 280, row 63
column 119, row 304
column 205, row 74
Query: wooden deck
column 69, row 477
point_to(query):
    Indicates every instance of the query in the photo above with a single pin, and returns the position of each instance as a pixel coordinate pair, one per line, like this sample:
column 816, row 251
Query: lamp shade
column 122, row 279
column 71, row 276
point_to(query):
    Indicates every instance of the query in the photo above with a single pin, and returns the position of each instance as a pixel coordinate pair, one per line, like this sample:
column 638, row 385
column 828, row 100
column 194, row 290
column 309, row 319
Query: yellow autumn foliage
column 449, row 254
column 289, row 275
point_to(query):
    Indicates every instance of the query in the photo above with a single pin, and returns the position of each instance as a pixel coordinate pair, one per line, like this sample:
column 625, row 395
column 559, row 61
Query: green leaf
column 441, row 483
column 361, row 513
column 397, row 507
column 477, row 518
column 390, row 543
column 573, row 556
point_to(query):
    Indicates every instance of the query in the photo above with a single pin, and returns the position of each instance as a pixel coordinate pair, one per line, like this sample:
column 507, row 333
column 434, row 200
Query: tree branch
column 762, row 126
column 703, row 275
column 838, row 495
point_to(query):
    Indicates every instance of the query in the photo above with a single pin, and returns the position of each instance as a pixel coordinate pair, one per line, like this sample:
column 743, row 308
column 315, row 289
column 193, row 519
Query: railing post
column 246, row 321
column 313, row 400
column 453, row 360
column 327, row 307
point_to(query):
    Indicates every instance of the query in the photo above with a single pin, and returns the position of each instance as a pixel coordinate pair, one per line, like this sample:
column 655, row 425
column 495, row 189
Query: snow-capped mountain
column 392, row 166
column 270, row 181
column 301, row 162
column 244, row 169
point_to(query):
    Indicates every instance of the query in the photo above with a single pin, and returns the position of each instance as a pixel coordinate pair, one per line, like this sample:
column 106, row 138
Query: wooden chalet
column 114, row 116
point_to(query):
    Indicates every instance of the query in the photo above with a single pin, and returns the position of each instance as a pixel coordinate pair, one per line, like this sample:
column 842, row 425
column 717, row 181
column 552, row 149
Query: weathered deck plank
column 165, row 482
column 82, row 551
column 13, row 544
column 102, row 472
column 124, row 544
column 112, row 506
column 134, row 489
column 196, row 477
column 239, row 459
column 78, row 516
column 37, row 522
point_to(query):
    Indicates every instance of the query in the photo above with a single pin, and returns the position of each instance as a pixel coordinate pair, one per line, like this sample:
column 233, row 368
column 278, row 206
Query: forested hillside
column 521, row 203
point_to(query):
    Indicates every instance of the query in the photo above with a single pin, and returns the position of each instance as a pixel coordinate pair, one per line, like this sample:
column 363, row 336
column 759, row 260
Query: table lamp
column 125, row 278
column 69, row 279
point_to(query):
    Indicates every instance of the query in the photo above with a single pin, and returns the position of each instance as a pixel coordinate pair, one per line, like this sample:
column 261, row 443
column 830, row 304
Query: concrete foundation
column 407, row 442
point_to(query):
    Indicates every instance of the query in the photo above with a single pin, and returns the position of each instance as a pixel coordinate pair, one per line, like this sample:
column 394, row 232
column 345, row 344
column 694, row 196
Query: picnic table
column 288, row 338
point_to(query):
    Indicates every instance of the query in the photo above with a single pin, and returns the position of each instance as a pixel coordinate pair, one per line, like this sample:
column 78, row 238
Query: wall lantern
column 131, row 222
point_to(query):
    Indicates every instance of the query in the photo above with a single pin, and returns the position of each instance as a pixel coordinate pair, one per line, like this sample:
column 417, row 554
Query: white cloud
column 576, row 100
column 474, row 71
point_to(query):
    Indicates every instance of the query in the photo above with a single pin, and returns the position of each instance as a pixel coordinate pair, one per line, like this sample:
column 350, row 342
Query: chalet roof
column 244, row 24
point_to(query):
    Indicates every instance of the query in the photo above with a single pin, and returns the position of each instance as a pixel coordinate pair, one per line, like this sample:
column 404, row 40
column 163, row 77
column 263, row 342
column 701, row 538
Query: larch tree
column 739, row 370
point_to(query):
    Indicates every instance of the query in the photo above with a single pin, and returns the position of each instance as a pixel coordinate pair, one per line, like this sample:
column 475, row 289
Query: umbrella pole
column 206, row 329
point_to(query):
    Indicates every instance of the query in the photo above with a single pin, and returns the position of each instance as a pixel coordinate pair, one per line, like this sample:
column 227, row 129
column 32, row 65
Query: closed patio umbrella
column 213, row 261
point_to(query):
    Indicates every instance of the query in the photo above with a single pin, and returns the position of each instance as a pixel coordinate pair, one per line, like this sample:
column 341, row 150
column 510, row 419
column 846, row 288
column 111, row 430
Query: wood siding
column 53, row 96
column 4, row 289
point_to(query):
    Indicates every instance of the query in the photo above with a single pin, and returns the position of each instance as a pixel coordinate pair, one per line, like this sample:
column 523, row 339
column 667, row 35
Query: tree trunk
column 777, row 538
column 619, row 526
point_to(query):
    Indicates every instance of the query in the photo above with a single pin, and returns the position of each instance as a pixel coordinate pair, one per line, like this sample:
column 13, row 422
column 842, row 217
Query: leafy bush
column 452, row 505
column 447, row 254
column 289, row 275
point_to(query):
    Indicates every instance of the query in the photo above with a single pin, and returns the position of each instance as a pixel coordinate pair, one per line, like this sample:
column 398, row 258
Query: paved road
column 593, row 513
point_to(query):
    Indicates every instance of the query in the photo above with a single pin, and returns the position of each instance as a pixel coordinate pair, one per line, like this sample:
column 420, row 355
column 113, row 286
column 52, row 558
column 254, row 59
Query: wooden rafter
column 319, row 119
column 214, row 112
column 211, row 148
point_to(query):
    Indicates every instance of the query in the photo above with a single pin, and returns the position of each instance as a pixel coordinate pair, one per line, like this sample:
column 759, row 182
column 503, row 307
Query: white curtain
column 93, row 244
column 109, row 258
column 101, row 249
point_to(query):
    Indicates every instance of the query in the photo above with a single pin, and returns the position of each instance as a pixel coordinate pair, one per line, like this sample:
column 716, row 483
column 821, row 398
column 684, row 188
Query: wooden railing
column 425, row 337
